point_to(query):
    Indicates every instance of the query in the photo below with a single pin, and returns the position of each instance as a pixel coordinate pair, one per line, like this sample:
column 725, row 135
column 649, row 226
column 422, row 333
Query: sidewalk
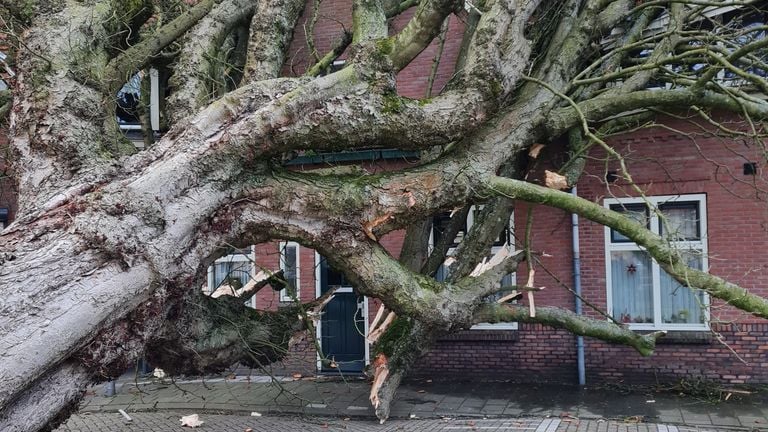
column 427, row 400
column 165, row 421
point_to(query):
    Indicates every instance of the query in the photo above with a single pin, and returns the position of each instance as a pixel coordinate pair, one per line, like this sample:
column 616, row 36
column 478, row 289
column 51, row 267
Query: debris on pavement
column 125, row 415
column 192, row 420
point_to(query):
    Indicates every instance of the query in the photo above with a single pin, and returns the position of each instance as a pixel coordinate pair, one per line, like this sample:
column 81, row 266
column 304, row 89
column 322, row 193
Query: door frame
column 318, row 329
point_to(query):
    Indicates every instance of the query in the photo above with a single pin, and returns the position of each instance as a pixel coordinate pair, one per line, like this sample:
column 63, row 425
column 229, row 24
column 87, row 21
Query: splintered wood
column 531, row 304
column 376, row 333
column 370, row 225
column 554, row 180
column 495, row 260
column 380, row 373
column 250, row 288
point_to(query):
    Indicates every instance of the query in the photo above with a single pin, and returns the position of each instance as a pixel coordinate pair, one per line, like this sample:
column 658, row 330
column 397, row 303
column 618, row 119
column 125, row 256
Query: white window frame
column 494, row 249
column 654, row 221
column 284, row 297
column 238, row 257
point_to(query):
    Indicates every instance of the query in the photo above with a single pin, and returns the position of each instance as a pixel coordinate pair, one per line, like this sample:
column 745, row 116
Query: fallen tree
column 122, row 239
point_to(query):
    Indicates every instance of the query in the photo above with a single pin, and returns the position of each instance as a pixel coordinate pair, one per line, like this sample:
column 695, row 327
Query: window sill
column 507, row 335
column 680, row 337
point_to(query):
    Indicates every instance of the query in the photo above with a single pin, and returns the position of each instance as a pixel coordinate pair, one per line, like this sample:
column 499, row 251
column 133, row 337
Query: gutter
column 577, row 288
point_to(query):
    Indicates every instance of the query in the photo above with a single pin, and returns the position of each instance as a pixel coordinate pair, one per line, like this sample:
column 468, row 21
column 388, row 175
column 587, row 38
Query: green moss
column 385, row 46
column 496, row 88
column 393, row 104
column 425, row 101
column 391, row 342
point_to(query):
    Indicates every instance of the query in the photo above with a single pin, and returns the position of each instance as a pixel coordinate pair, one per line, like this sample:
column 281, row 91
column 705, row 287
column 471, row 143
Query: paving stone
column 696, row 419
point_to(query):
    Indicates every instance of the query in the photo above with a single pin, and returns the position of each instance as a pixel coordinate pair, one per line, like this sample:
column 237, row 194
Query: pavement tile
column 179, row 405
column 724, row 421
column 668, row 418
column 753, row 422
column 436, row 400
column 696, row 419
column 493, row 409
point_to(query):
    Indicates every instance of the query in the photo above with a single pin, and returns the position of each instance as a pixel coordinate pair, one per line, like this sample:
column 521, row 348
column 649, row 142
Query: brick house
column 710, row 188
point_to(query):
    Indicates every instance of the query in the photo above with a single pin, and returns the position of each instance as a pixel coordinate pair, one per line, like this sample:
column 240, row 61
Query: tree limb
column 667, row 257
column 420, row 30
column 562, row 119
column 271, row 33
column 368, row 21
column 568, row 320
column 135, row 58
column 192, row 71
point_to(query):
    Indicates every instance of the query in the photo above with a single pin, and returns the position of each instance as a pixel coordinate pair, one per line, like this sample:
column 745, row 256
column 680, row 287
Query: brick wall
column 735, row 351
column 533, row 353
column 710, row 358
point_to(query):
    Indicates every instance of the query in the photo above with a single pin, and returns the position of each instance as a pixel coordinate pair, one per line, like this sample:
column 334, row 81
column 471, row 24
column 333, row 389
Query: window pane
column 680, row 221
column 680, row 304
column 638, row 212
column 440, row 224
column 235, row 274
column 289, row 271
column 631, row 286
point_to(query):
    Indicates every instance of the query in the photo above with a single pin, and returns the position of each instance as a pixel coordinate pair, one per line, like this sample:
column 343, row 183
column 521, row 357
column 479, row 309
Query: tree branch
column 271, row 33
column 192, row 72
column 488, row 223
column 368, row 21
column 568, row 320
column 440, row 247
column 135, row 58
column 562, row 119
column 6, row 100
column 420, row 30
column 667, row 257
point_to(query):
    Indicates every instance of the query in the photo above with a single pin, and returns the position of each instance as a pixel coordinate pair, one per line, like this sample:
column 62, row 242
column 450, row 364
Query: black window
column 638, row 212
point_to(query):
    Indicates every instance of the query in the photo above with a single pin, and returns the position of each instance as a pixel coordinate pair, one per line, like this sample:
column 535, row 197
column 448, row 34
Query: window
column 128, row 101
column 3, row 217
column 233, row 269
column 289, row 263
column 642, row 294
column 440, row 223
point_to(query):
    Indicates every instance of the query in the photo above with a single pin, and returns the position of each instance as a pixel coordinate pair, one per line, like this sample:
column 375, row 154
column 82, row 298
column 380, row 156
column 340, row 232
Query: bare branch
column 441, row 245
column 120, row 68
column 368, row 21
column 420, row 30
column 193, row 69
column 562, row 119
column 271, row 33
column 659, row 249
column 566, row 319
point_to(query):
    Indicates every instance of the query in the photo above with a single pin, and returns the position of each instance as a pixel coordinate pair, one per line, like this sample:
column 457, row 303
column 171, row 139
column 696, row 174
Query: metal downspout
column 577, row 289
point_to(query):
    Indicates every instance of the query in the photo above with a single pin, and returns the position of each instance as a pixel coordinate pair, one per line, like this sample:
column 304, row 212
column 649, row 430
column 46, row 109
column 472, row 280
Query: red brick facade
column 663, row 162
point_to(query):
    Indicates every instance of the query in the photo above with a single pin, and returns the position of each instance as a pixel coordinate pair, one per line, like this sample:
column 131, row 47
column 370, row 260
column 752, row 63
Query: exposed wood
column 376, row 332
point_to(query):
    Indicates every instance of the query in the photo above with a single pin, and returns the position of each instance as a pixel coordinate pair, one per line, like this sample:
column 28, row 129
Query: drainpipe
column 577, row 288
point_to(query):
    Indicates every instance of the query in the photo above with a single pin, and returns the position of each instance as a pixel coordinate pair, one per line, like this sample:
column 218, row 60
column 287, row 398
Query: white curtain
column 631, row 286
